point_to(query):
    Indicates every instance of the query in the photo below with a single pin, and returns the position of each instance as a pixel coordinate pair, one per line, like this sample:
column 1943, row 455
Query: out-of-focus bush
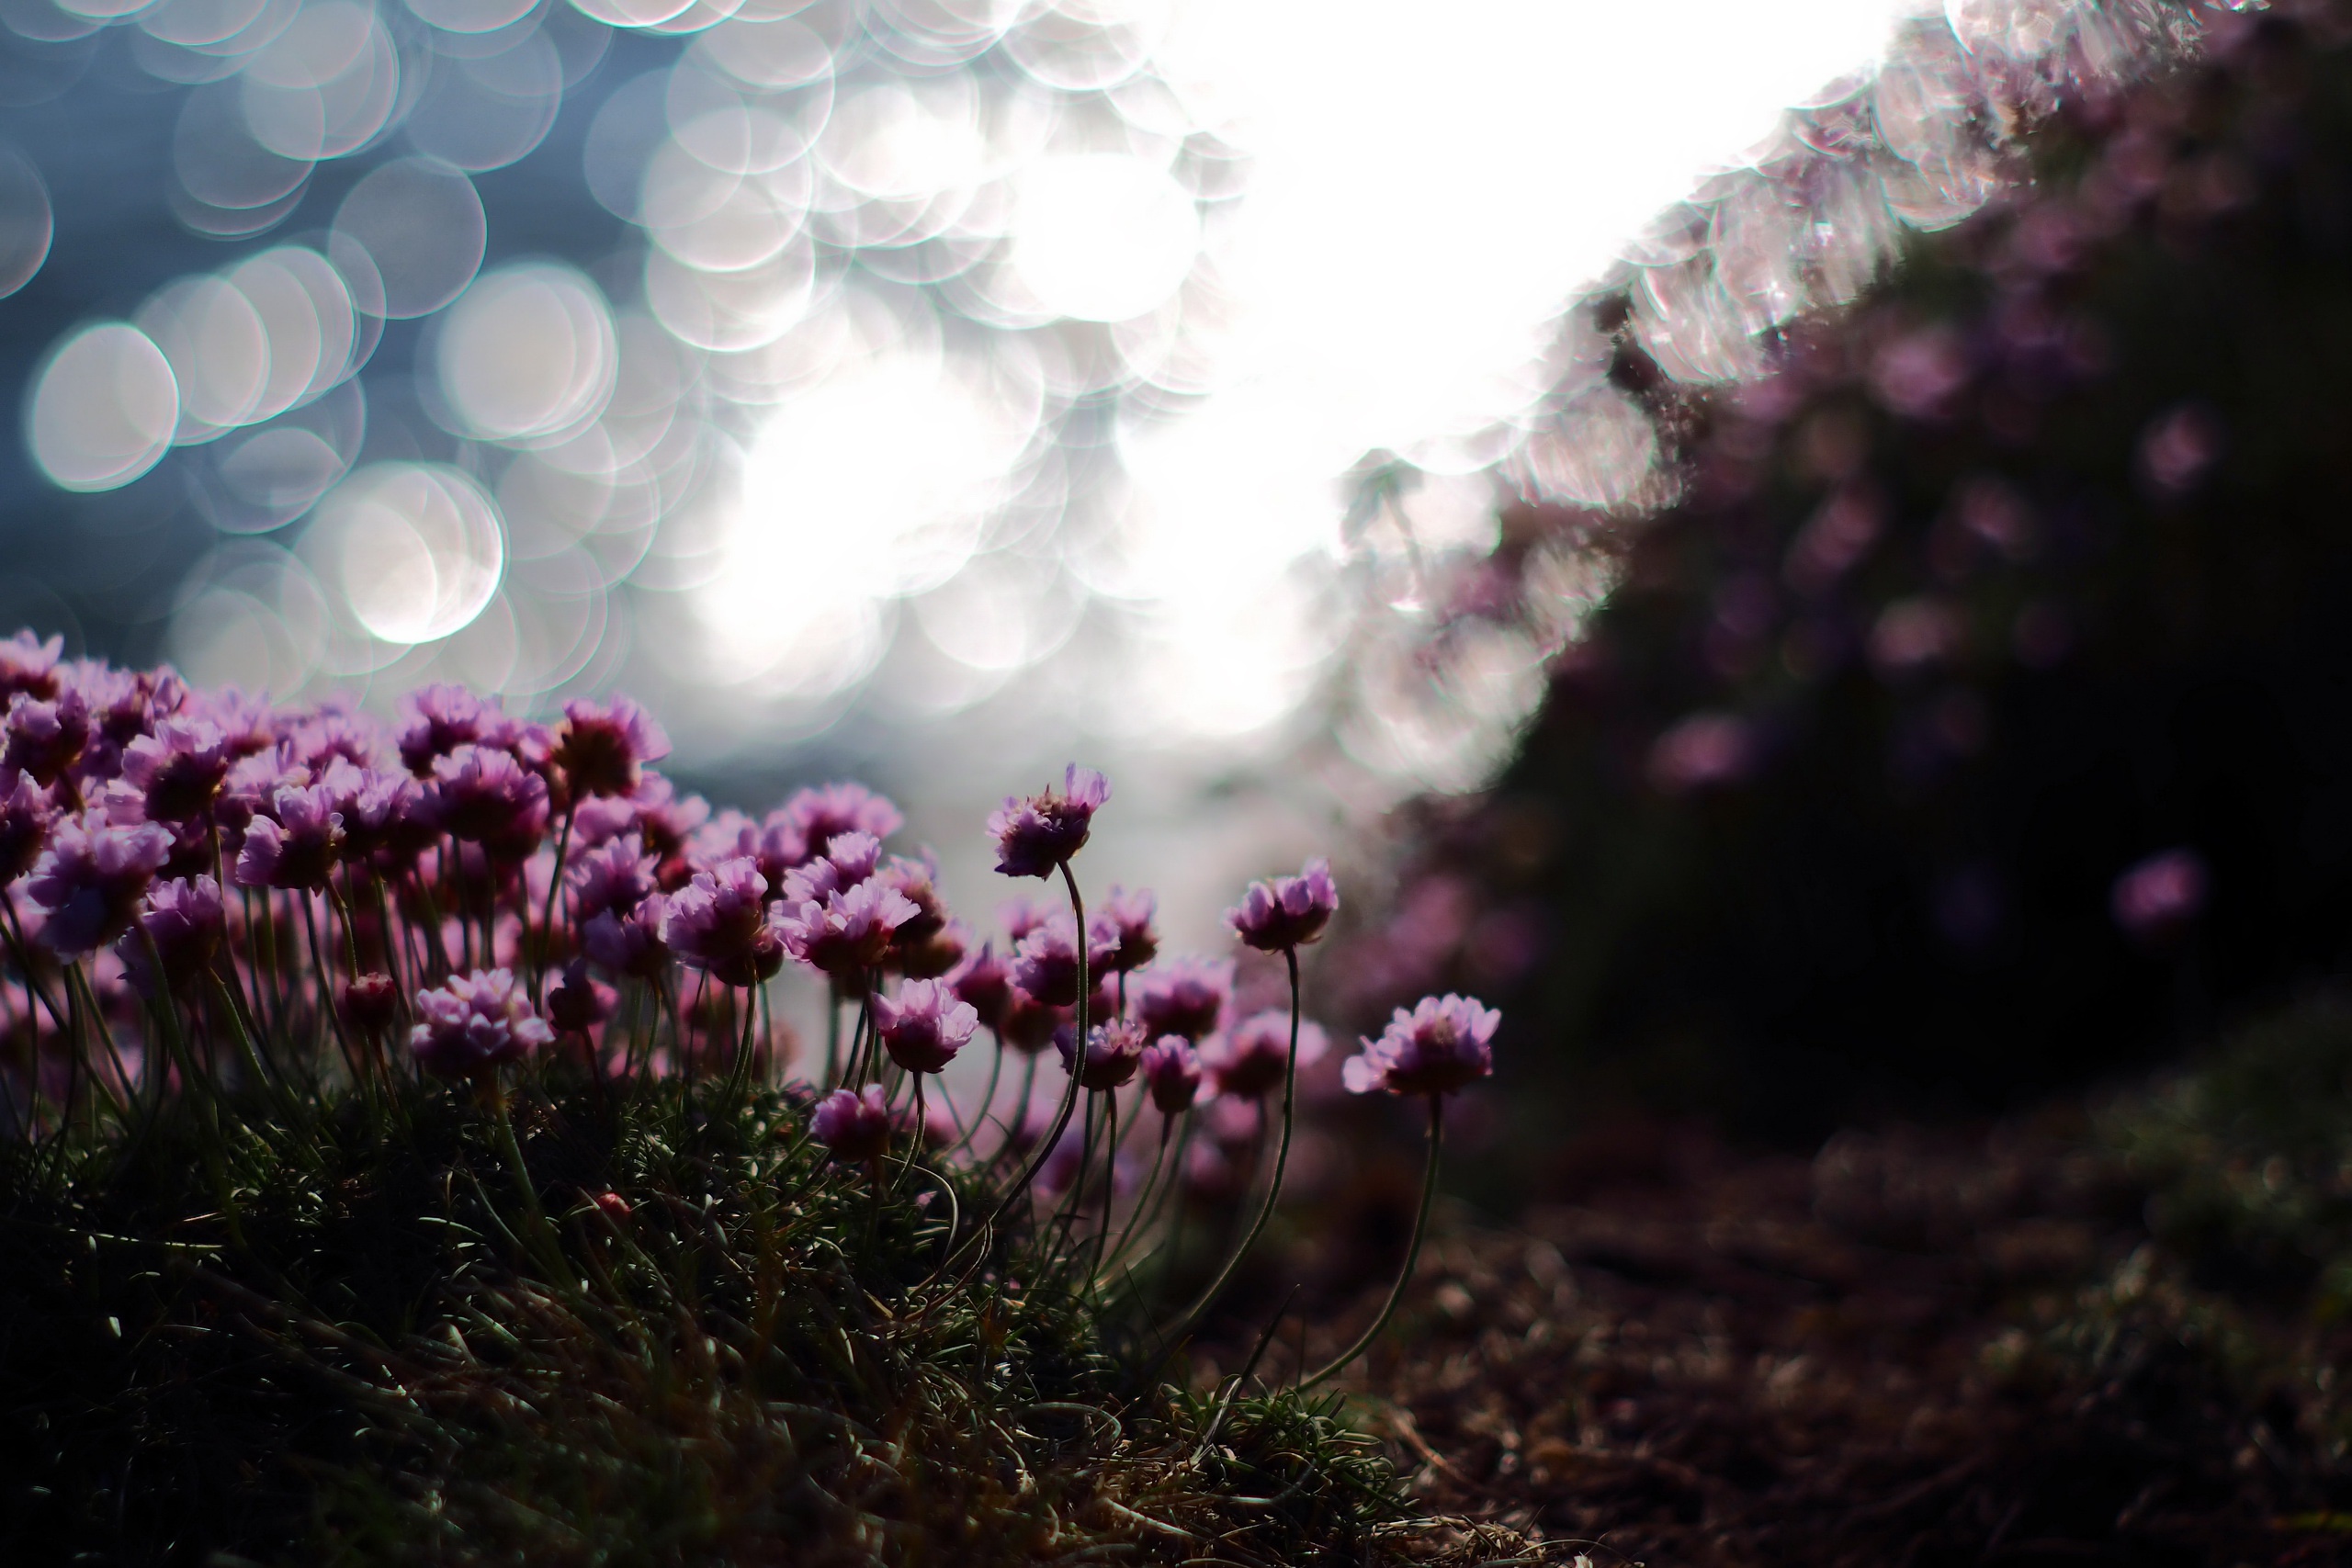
column 1978, row 717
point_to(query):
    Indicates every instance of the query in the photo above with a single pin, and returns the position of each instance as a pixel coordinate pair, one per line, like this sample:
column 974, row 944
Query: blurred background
column 1754, row 534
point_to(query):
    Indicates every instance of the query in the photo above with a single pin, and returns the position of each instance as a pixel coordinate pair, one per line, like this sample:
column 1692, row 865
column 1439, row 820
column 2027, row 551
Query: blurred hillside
column 1974, row 718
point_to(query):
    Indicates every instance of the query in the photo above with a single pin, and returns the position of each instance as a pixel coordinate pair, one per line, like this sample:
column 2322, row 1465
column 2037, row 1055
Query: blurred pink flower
column 1035, row 836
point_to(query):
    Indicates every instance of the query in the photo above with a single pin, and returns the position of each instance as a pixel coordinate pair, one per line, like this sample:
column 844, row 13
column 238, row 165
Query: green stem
column 1412, row 1252
column 1069, row 1095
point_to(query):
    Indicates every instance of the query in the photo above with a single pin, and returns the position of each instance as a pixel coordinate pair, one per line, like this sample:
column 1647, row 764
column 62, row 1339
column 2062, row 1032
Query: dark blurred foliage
column 2032, row 564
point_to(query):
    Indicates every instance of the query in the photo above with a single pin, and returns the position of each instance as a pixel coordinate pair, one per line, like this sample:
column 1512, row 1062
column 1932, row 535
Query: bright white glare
column 103, row 408
column 1102, row 236
column 528, row 352
column 415, row 550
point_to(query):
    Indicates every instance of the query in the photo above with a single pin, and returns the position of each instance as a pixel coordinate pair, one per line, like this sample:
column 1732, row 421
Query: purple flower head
column 1123, row 920
column 1287, row 912
column 719, row 922
column 1035, row 836
column 243, row 720
column 26, row 811
column 182, row 926
column 855, row 1127
column 1023, row 914
column 386, row 817
column 602, row 747
column 613, row 875
column 1171, row 1070
column 817, row 815
column 918, row 880
column 2156, row 900
column 178, row 770
column 850, row 861
column 849, row 932
column 369, row 1002
column 297, row 844
column 1046, row 964
column 924, row 1025
column 1253, row 1057
column 665, row 821
column 473, row 1023
column 630, row 943
column 579, row 1001
column 984, row 981
column 90, row 880
column 436, row 720
column 483, row 795
column 251, row 781
column 46, row 739
column 936, row 955
column 1445, row 1044
column 1184, row 996
column 336, row 736
column 29, row 666
column 1029, row 1024
column 1113, row 1052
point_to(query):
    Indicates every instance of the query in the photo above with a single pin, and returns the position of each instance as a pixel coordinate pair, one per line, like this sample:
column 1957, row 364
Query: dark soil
column 1915, row 1349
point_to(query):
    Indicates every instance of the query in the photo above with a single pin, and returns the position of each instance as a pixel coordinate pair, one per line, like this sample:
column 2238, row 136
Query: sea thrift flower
column 1113, row 1052
column 630, row 943
column 1046, row 964
column 483, row 795
column 90, row 879
column 1023, row 914
column 297, row 844
column 719, row 923
column 1033, row 836
column 1445, row 1044
column 1287, row 912
column 24, row 813
column 919, row 881
column 334, row 736
column 852, row 858
column 1253, row 1057
column 601, row 748
column 924, row 1025
column 818, row 815
column 369, row 1002
column 985, row 982
column 579, row 1001
column 473, row 1023
column 937, row 954
column 615, row 874
column 1171, row 1070
column 387, row 819
column 1123, row 923
column 176, row 772
column 29, row 666
column 1029, row 1024
column 46, row 739
column 855, row 1127
column 182, row 927
column 848, row 933
column 2157, row 898
column 1184, row 997
column 438, row 720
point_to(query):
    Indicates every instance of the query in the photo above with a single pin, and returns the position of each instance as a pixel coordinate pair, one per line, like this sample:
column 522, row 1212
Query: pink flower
column 614, row 874
column 937, row 954
column 1046, row 964
column 1029, row 1024
column 46, row 739
column 984, row 981
column 182, row 926
column 473, row 1023
column 25, row 812
column 1035, row 836
column 178, row 770
column 2157, row 898
column 29, row 665
column 630, row 943
column 1171, row 1070
column 90, row 879
column 1124, row 922
column 600, row 748
column 369, row 1002
column 1287, row 912
column 297, row 844
column 439, row 719
column 817, row 815
column 924, row 1025
column 855, row 1127
column 1184, row 997
column 849, row 932
column 719, row 922
column 482, row 794
column 1253, row 1058
column 850, row 860
column 1113, row 1052
column 579, row 1001
column 1444, row 1044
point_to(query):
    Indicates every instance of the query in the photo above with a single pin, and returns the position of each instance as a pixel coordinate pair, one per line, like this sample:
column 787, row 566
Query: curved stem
column 1069, row 1095
column 1412, row 1252
column 1201, row 1303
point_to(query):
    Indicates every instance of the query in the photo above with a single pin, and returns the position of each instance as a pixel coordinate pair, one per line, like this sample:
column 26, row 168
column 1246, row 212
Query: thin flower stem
column 546, row 915
column 1069, row 1095
column 1192, row 1315
column 1110, row 1179
column 1412, row 1252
